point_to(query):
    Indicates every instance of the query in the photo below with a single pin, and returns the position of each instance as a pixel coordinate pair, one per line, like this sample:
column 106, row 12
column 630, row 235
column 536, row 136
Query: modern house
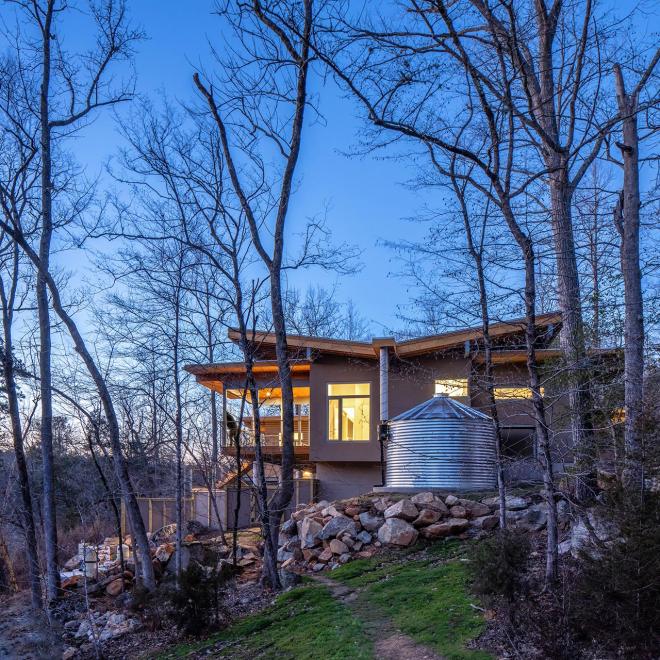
column 344, row 388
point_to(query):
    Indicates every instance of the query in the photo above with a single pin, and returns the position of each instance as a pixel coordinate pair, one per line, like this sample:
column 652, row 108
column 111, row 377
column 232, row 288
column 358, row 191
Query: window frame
column 455, row 380
column 338, row 397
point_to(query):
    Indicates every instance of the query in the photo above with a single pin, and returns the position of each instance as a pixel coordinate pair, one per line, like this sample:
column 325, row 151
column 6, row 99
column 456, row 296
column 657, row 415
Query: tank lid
column 441, row 407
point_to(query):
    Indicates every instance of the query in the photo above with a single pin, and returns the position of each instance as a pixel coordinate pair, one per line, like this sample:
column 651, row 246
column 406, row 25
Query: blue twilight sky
column 363, row 197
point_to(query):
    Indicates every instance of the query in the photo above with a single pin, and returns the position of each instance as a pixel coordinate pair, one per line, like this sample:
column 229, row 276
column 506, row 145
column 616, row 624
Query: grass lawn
column 423, row 592
column 303, row 624
column 428, row 601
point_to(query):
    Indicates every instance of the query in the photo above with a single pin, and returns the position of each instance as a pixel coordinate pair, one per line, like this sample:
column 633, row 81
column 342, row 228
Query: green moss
column 303, row 624
column 422, row 598
column 423, row 592
column 431, row 604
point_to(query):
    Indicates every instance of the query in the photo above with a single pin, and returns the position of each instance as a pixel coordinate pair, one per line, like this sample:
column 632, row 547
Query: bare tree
column 281, row 55
column 180, row 173
column 547, row 63
column 71, row 88
column 627, row 220
column 10, row 297
column 389, row 76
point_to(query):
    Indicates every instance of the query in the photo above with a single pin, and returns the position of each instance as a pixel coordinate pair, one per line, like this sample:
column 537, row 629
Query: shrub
column 498, row 563
column 616, row 590
column 197, row 602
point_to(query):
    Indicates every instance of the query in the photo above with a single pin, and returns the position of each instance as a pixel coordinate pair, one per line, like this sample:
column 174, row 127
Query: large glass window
column 507, row 392
column 348, row 411
column 452, row 387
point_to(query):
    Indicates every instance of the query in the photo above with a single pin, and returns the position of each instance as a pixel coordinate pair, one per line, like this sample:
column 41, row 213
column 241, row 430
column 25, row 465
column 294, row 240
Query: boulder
column 423, row 498
column 370, row 522
column 331, row 511
column 345, row 558
column 446, row 528
column 72, row 563
column 381, row 504
column 289, row 527
column 115, row 587
column 486, row 522
column 364, row 537
column 289, row 579
column 476, row 509
column 427, row 517
column 451, row 500
column 403, row 509
column 438, row 505
column 325, row 556
column 584, row 539
column 117, row 625
column 282, row 555
column 348, row 540
column 72, row 625
column 69, row 652
column 352, row 511
column 299, row 515
column 338, row 526
column 458, row 511
column 309, row 532
column 72, row 582
column 312, row 554
column 164, row 552
column 535, row 518
column 512, row 502
column 338, row 547
column 396, row 531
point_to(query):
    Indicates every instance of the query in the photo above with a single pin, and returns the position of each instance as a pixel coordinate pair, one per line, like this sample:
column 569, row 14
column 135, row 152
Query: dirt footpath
column 389, row 643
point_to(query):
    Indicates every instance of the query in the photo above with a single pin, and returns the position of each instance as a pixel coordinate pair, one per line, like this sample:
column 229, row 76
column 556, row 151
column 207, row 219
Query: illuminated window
column 515, row 392
column 618, row 416
column 452, row 386
column 348, row 411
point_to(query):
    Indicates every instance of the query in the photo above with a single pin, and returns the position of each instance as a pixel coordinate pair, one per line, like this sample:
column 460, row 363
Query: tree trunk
column 627, row 215
column 121, row 468
column 527, row 248
column 572, row 332
column 476, row 254
column 45, row 376
column 178, row 423
column 29, row 527
column 551, row 570
column 284, row 493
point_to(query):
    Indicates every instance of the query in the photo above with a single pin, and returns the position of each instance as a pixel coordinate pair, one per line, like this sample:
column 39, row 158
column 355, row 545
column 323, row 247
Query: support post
column 223, row 430
column 384, row 383
column 384, row 354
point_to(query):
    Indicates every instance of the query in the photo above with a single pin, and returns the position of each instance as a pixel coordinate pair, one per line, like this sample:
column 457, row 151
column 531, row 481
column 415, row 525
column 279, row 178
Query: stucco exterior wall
column 341, row 480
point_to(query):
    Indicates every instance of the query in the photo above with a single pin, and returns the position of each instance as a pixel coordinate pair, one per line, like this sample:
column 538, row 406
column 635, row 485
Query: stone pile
column 326, row 535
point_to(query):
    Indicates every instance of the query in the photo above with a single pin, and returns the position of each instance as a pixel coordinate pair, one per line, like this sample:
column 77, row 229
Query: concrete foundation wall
column 338, row 481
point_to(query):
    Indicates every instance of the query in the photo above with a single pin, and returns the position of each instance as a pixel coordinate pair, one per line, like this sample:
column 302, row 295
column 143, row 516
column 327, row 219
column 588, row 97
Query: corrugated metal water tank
column 441, row 444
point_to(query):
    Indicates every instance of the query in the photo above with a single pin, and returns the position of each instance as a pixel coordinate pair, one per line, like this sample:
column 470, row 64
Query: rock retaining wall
column 326, row 535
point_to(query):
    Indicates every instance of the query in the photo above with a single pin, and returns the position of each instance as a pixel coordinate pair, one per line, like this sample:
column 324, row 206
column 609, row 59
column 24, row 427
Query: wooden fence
column 160, row 511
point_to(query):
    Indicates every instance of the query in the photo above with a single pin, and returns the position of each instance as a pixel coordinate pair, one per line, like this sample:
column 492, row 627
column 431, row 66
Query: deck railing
column 248, row 439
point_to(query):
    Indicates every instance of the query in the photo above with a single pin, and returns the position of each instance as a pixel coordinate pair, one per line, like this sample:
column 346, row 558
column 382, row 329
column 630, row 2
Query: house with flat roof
column 343, row 389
